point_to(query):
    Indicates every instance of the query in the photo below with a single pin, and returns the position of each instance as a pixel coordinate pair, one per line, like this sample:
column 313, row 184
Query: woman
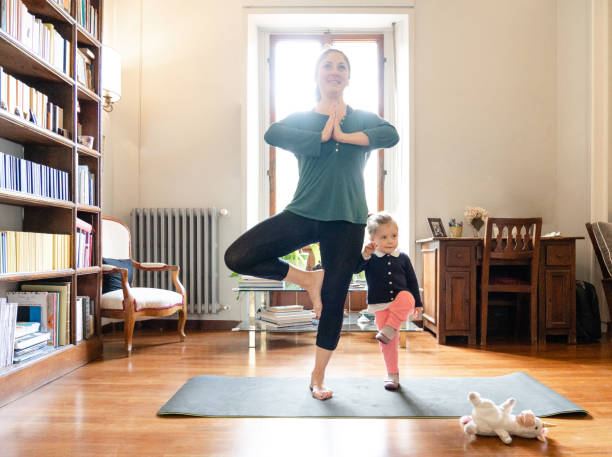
column 332, row 144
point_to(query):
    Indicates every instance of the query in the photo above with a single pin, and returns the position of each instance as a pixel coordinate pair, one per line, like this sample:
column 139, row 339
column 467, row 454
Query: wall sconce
column 111, row 77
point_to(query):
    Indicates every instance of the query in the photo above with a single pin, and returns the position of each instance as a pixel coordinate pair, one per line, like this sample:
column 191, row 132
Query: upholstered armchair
column 122, row 301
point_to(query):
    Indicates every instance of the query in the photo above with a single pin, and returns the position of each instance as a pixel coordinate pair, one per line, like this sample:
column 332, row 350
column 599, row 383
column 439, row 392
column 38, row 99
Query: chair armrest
column 127, row 291
column 147, row 266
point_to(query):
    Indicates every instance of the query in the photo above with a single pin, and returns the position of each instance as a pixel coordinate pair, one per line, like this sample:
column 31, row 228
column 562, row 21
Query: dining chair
column 508, row 242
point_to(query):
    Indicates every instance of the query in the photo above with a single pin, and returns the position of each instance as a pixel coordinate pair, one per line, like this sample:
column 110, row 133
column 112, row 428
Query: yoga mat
column 222, row 396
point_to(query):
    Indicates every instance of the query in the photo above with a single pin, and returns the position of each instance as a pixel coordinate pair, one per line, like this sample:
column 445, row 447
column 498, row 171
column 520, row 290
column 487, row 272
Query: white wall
column 494, row 125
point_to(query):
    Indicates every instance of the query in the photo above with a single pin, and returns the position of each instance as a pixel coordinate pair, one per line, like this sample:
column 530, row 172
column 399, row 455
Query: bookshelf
column 81, row 115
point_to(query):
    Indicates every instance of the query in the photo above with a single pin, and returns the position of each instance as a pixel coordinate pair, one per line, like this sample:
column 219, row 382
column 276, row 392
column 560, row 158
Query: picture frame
column 437, row 227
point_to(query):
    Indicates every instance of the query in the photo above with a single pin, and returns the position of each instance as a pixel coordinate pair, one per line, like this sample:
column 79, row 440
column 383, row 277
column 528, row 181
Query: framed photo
column 436, row 226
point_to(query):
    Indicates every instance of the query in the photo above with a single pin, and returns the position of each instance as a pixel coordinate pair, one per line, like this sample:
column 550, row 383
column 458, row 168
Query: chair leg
column 181, row 322
column 533, row 317
column 484, row 308
column 128, row 333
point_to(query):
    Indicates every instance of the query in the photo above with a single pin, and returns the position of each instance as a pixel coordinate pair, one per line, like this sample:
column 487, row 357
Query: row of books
column 39, row 37
column 8, row 317
column 87, row 17
column 33, row 178
column 287, row 316
column 84, row 67
column 22, row 252
column 84, row 243
column 85, row 186
column 251, row 282
column 35, row 321
column 27, row 103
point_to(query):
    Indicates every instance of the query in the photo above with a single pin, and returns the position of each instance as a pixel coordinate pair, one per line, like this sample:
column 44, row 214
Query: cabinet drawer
column 458, row 256
column 559, row 254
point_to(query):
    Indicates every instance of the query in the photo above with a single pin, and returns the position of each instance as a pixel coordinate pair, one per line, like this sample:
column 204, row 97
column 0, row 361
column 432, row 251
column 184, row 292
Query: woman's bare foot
column 319, row 391
column 314, row 291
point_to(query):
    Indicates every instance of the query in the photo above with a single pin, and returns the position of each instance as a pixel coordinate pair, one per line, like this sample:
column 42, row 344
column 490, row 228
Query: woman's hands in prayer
column 333, row 129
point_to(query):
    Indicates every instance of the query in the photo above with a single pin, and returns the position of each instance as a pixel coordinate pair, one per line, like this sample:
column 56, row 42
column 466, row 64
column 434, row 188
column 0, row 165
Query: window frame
column 326, row 38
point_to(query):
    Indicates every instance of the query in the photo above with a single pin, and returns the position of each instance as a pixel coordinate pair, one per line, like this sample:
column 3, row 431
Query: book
column 285, row 308
column 25, row 328
column 31, row 339
column 32, row 307
column 30, row 355
column 63, row 307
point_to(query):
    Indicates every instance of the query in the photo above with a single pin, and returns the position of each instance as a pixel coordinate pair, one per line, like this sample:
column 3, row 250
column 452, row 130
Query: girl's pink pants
column 394, row 315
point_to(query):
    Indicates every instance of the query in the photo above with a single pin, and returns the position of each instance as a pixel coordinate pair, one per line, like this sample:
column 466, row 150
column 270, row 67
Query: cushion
column 144, row 298
column 603, row 236
column 112, row 281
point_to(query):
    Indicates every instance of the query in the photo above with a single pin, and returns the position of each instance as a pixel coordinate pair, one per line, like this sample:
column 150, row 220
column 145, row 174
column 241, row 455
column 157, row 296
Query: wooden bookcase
column 64, row 153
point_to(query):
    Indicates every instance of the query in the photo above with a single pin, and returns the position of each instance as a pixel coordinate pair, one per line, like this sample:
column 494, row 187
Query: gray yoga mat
column 222, row 396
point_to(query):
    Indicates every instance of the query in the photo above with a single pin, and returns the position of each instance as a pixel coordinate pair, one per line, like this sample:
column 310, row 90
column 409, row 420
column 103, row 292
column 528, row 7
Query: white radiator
column 186, row 237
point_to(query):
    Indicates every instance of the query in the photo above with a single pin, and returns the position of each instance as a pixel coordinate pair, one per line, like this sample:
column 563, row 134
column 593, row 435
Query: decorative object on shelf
column 476, row 216
column 111, row 77
column 86, row 140
column 436, row 226
column 455, row 228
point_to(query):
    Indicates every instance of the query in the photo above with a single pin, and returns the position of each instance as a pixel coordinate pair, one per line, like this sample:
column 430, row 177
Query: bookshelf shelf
column 35, row 275
column 83, row 93
column 47, row 215
column 21, row 131
column 89, row 209
column 88, row 270
column 87, row 151
column 84, row 37
column 11, row 197
column 17, row 59
column 48, row 10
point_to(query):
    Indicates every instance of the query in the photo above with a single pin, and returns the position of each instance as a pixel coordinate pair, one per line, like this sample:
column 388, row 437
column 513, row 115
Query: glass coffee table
column 259, row 299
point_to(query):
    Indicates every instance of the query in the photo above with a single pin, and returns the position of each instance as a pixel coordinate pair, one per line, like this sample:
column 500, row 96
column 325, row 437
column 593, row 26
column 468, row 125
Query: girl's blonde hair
column 377, row 219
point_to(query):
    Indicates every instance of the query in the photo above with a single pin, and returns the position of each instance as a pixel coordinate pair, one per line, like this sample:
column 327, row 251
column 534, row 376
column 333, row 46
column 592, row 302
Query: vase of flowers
column 476, row 216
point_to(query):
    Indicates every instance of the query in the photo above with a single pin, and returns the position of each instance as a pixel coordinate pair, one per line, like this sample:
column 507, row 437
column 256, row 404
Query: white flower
column 475, row 212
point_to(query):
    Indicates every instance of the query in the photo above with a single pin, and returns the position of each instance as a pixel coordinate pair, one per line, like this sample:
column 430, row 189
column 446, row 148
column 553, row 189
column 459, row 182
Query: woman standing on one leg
column 332, row 144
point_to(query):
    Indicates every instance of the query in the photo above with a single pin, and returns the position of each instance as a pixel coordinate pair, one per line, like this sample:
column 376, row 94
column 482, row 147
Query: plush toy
column 489, row 419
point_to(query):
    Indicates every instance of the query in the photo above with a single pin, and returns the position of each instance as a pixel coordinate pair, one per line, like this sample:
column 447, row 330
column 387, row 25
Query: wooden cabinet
column 450, row 287
column 58, row 149
column 557, row 290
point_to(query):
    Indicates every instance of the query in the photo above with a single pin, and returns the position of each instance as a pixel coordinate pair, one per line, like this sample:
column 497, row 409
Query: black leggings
column 257, row 253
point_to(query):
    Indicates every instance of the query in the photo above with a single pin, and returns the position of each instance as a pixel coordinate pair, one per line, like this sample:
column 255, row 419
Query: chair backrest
column 601, row 237
column 116, row 241
column 515, row 238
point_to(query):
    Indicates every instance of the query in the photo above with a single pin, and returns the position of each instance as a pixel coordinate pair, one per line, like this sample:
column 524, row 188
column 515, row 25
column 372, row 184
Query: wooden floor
column 108, row 407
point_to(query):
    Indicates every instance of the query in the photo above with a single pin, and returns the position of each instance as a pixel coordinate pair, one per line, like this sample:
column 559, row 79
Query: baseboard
column 170, row 325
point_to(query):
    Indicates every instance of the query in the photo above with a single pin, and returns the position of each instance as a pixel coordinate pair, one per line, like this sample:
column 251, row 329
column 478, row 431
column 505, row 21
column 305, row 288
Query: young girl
column 393, row 290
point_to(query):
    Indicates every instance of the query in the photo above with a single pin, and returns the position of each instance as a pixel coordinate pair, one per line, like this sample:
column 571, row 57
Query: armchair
column 600, row 234
column 129, row 303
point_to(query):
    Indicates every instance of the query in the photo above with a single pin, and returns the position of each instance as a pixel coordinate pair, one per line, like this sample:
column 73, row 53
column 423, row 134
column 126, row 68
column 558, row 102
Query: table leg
column 252, row 319
column 402, row 339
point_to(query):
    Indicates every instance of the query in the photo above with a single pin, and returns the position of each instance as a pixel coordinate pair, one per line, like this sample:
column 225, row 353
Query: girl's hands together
column 338, row 133
column 327, row 132
column 416, row 312
column 368, row 250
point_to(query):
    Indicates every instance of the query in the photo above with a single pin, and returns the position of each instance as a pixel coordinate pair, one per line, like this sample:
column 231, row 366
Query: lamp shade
column 111, row 73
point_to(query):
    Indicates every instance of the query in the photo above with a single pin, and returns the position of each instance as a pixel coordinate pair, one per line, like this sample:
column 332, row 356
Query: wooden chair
column 517, row 242
column 601, row 238
column 135, row 303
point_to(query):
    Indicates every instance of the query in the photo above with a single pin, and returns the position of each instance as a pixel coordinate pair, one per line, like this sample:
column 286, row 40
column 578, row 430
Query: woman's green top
column 331, row 185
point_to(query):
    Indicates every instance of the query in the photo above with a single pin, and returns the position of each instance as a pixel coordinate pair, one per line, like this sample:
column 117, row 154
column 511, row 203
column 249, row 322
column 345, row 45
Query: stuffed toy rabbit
column 489, row 419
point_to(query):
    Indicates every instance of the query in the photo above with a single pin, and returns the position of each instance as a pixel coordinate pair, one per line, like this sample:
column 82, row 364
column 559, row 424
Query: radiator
column 186, row 237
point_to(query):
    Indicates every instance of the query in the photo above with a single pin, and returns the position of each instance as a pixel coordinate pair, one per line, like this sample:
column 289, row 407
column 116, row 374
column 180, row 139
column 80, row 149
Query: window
column 292, row 88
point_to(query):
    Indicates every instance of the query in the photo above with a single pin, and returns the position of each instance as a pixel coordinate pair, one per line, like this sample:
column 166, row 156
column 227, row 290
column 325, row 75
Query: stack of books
column 31, row 344
column 251, row 282
column 287, row 316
